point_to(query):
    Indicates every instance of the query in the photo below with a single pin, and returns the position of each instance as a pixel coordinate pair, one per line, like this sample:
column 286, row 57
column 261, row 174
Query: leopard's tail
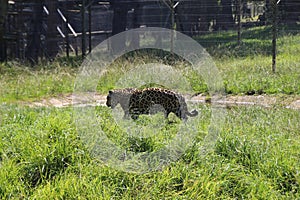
column 193, row 113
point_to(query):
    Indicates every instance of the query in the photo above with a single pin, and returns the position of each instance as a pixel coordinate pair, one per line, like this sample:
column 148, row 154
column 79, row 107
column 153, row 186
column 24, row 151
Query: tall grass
column 21, row 82
column 246, row 69
column 256, row 156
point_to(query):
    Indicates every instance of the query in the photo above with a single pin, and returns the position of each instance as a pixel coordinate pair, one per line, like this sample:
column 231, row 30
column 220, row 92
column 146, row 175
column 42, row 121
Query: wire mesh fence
column 34, row 30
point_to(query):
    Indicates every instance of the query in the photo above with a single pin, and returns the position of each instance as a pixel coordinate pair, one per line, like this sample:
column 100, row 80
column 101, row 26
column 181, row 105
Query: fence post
column 239, row 7
column 67, row 35
column 173, row 7
column 3, row 10
column 120, row 10
column 172, row 25
column 83, row 30
column 33, row 50
column 274, row 33
column 90, row 27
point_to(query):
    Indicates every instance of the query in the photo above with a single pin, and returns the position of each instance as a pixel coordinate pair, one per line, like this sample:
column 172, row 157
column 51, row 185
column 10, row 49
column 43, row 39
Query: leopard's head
column 119, row 96
column 111, row 99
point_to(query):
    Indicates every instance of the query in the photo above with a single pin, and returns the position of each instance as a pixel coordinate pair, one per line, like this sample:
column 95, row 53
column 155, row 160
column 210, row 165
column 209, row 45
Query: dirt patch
column 294, row 104
column 69, row 100
column 291, row 102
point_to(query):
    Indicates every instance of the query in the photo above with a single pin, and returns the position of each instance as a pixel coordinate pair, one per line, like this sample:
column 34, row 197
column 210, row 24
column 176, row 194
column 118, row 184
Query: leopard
column 149, row 101
column 122, row 97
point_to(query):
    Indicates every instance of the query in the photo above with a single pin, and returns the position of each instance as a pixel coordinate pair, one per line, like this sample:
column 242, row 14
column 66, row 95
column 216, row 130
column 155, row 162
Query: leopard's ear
column 110, row 92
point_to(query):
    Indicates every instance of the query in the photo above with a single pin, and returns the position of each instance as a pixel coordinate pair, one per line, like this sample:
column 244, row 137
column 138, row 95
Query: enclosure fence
column 34, row 30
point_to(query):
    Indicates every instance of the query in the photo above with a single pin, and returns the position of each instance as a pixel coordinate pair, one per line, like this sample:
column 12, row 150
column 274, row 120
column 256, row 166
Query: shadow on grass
column 254, row 41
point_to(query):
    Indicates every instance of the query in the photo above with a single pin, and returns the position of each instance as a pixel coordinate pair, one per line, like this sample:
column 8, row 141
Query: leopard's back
column 142, row 101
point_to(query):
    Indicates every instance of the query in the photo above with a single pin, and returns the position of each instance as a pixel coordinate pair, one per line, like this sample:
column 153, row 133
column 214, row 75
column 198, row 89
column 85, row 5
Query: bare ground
column 291, row 102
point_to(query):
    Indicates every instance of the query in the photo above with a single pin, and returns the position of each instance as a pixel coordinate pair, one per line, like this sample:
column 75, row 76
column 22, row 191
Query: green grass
column 254, row 75
column 254, row 41
column 245, row 69
column 23, row 83
column 256, row 156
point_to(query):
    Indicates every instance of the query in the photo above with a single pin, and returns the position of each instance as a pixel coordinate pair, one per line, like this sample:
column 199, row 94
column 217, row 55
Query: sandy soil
column 291, row 102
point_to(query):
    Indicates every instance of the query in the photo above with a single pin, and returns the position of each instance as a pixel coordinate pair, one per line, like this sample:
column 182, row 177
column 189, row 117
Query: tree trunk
column 195, row 16
column 119, row 24
column 3, row 10
column 227, row 15
column 52, row 21
column 291, row 10
column 34, row 40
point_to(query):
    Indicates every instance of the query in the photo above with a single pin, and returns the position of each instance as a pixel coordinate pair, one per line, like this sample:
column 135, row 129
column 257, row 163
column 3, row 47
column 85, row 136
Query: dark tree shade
column 120, row 9
column 195, row 15
column 226, row 20
column 52, row 20
column 34, row 40
column 3, row 10
column 290, row 10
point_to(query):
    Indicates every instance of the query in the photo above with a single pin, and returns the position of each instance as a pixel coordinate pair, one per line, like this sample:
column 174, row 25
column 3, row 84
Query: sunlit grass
column 21, row 82
column 246, row 69
column 256, row 156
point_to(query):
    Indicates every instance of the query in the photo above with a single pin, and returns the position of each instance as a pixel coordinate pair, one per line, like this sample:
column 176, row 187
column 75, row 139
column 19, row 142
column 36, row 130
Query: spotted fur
column 135, row 102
